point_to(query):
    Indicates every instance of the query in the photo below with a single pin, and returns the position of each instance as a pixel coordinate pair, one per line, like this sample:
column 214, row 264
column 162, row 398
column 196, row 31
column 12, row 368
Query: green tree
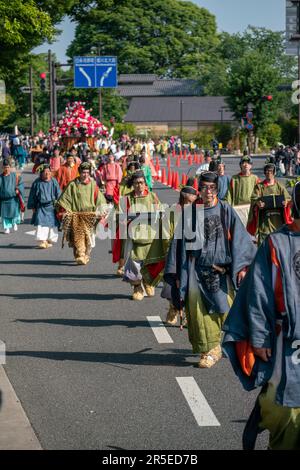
column 7, row 109
column 171, row 38
column 252, row 77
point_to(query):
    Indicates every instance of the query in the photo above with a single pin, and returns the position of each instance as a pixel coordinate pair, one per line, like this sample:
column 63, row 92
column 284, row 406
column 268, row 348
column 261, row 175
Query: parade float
column 77, row 125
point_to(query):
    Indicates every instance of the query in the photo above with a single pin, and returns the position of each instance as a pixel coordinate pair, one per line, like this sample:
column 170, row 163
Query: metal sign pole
column 31, row 101
column 50, row 86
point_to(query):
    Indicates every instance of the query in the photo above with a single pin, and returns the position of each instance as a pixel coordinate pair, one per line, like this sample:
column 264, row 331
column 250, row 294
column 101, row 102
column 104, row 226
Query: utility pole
column 100, row 93
column 31, row 101
column 50, row 86
column 181, row 119
column 54, row 92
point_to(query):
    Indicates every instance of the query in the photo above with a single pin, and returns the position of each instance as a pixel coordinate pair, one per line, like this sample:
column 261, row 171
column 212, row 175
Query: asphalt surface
column 85, row 363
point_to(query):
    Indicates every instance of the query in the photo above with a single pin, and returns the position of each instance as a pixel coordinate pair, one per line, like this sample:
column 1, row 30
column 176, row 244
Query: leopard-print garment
column 78, row 227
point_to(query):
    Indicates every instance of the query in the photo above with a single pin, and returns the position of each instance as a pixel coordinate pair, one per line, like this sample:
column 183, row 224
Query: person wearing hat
column 142, row 235
column 270, row 206
column 67, row 172
column 11, row 190
column 81, row 206
column 43, row 195
column 241, row 188
column 262, row 334
column 212, row 269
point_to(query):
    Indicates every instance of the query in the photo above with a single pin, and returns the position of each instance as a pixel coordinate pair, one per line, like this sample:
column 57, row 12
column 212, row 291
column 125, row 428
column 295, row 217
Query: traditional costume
column 11, row 199
column 79, row 202
column 208, row 275
column 66, row 174
column 240, row 191
column 141, row 237
column 264, row 318
column 42, row 198
column 111, row 174
column 262, row 222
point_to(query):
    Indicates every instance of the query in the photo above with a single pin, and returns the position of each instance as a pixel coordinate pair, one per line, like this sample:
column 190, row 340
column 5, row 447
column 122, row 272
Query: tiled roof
column 162, row 88
column 134, row 78
column 167, row 109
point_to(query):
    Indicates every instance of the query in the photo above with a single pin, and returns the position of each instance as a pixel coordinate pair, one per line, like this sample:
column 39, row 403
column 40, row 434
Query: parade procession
column 150, row 233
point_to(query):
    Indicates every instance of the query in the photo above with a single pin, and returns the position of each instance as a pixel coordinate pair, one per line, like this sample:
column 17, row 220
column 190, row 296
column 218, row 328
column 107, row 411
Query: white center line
column 197, row 402
column 159, row 330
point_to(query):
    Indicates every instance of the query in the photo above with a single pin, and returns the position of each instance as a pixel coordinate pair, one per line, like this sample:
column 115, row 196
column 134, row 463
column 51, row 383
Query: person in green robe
column 147, row 172
column 81, row 206
column 241, row 188
column 267, row 214
column 141, row 235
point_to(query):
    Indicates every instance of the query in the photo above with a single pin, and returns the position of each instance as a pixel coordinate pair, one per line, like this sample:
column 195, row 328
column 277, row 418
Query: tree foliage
column 171, row 38
column 251, row 78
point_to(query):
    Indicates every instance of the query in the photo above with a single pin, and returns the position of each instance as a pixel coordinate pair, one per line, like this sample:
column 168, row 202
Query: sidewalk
column 16, row 432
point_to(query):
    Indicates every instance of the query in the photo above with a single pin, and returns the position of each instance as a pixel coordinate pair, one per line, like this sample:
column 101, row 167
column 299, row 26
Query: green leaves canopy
column 171, row 38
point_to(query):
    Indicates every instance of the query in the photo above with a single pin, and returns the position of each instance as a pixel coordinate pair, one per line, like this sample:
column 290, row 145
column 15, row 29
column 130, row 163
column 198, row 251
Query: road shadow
column 174, row 360
column 70, row 277
column 18, row 247
column 40, row 262
column 70, row 296
column 87, row 323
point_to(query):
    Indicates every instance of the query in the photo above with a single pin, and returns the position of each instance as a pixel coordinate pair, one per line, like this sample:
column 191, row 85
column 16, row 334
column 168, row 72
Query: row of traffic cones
column 173, row 179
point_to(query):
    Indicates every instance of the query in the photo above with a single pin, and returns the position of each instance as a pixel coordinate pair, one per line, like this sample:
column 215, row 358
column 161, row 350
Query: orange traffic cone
column 173, row 153
column 176, row 185
column 184, row 155
column 183, row 179
column 180, row 154
column 195, row 185
column 163, row 176
column 178, row 162
column 190, row 160
column 169, row 162
column 170, row 178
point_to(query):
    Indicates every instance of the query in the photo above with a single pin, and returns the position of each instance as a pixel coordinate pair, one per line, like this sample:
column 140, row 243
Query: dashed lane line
column 197, row 402
column 159, row 330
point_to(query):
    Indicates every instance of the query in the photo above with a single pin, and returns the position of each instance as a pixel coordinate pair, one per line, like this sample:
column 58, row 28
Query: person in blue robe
column 223, row 180
column 262, row 336
column 11, row 190
column 43, row 196
column 209, row 273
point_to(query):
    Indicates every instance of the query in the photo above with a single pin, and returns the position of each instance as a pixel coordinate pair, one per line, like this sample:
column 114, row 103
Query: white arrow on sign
column 105, row 75
column 81, row 69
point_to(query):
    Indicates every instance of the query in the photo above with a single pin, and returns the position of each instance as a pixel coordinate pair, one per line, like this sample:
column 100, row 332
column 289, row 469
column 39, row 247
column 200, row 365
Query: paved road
column 87, row 367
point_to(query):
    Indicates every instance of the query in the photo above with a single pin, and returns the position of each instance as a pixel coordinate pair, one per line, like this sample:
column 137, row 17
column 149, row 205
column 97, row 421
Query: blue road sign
column 95, row 72
column 249, row 126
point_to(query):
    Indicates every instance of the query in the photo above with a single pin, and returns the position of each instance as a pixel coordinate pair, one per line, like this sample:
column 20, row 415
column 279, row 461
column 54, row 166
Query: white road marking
column 33, row 232
column 81, row 69
column 159, row 330
column 197, row 402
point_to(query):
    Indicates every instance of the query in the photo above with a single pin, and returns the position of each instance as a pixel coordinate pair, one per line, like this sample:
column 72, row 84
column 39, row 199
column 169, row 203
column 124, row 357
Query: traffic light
column 267, row 98
column 43, row 81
